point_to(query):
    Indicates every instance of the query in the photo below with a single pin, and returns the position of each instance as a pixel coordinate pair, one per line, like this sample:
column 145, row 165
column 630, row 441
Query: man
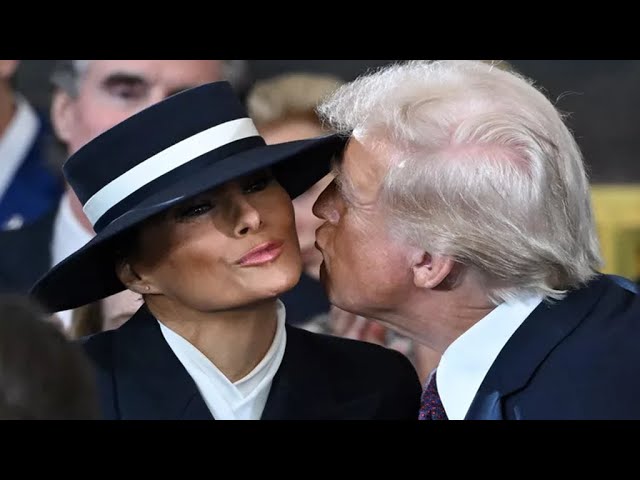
column 460, row 216
column 90, row 97
column 29, row 185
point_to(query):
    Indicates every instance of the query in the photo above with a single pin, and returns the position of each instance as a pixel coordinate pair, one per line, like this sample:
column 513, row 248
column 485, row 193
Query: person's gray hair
column 67, row 74
column 481, row 167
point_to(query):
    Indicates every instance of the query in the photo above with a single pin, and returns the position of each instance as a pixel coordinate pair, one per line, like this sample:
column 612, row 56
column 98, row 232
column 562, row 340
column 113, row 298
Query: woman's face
column 223, row 249
column 306, row 222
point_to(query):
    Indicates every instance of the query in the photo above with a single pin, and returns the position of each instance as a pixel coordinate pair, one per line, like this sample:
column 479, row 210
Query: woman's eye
column 258, row 184
column 195, row 210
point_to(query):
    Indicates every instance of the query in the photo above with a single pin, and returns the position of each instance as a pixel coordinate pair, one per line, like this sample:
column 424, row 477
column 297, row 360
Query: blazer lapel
column 545, row 328
column 150, row 381
column 302, row 389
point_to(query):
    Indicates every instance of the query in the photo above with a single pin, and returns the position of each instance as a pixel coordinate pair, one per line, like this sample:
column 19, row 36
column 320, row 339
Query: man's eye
column 128, row 92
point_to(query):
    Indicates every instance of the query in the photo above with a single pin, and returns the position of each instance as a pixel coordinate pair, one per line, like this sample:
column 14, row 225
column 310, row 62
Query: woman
column 193, row 212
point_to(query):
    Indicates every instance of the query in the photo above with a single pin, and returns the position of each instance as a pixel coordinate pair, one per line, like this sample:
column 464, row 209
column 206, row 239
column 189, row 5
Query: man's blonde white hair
column 481, row 167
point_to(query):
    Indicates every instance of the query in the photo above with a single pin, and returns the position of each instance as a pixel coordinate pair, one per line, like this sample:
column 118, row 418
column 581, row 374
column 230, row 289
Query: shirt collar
column 16, row 141
column 467, row 360
column 69, row 235
column 243, row 399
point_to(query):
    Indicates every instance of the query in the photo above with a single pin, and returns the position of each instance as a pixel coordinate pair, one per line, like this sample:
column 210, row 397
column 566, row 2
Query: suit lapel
column 150, row 381
column 302, row 389
column 539, row 334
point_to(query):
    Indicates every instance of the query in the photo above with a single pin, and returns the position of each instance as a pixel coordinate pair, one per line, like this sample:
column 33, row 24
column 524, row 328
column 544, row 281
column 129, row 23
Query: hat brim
column 88, row 275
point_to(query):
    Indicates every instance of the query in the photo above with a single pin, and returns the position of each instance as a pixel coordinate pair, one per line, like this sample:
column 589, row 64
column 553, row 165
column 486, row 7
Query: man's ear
column 132, row 280
column 63, row 115
column 430, row 271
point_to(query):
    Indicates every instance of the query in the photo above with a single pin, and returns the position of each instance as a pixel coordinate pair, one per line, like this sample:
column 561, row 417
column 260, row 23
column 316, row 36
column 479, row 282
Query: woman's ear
column 132, row 280
column 430, row 271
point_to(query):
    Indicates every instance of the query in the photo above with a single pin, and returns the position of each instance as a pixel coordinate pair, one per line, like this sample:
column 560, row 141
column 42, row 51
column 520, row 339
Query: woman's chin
column 276, row 285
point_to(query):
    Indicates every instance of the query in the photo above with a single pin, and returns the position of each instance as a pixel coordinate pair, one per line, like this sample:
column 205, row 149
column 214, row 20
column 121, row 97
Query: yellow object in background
column 617, row 213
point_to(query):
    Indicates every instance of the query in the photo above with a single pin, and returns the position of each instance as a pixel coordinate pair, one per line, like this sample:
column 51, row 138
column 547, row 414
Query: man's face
column 110, row 91
column 364, row 270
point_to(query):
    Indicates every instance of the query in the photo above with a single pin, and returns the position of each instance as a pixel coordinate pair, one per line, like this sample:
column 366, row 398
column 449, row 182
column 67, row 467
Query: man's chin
column 323, row 276
column 325, row 279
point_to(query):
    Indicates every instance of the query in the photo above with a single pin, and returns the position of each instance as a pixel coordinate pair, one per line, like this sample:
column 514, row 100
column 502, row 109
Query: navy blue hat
column 178, row 148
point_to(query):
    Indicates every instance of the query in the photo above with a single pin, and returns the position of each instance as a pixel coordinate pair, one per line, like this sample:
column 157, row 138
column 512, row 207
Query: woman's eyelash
column 195, row 210
column 200, row 208
column 258, row 184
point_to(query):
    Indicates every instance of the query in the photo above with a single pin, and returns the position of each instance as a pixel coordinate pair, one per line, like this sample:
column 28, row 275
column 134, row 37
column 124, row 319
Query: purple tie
column 431, row 407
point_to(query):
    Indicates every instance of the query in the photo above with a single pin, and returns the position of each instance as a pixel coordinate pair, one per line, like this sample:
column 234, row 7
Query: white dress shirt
column 69, row 235
column 466, row 362
column 16, row 141
column 244, row 399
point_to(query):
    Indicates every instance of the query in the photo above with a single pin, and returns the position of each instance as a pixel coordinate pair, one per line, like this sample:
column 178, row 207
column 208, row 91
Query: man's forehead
column 362, row 169
column 190, row 71
column 363, row 160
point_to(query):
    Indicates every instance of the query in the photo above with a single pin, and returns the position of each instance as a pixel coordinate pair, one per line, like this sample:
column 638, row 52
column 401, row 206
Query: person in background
column 106, row 314
column 29, row 184
column 89, row 97
column 43, row 376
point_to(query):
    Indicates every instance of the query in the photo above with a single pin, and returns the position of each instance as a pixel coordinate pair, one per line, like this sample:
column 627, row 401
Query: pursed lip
column 263, row 253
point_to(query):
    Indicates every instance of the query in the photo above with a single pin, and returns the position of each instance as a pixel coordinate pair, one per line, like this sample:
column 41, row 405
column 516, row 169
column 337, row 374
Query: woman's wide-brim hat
column 180, row 147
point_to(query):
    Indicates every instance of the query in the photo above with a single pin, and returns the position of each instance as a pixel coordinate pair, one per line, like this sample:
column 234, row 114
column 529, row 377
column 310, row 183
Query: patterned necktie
column 431, row 407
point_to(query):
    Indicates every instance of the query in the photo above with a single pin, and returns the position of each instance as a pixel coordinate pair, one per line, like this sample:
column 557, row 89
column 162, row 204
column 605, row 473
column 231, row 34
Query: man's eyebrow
column 134, row 79
column 120, row 78
column 336, row 164
column 344, row 185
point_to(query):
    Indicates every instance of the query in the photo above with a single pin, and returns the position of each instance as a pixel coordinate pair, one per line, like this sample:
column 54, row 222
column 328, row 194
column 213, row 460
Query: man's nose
column 322, row 203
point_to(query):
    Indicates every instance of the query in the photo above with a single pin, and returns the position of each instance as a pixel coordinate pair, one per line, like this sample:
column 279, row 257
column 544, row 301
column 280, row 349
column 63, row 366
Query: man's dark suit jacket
column 578, row 358
column 37, row 185
column 321, row 377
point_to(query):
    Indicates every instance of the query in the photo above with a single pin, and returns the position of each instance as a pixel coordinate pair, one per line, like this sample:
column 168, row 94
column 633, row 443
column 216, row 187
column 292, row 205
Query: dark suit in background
column 25, row 254
column 36, row 187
